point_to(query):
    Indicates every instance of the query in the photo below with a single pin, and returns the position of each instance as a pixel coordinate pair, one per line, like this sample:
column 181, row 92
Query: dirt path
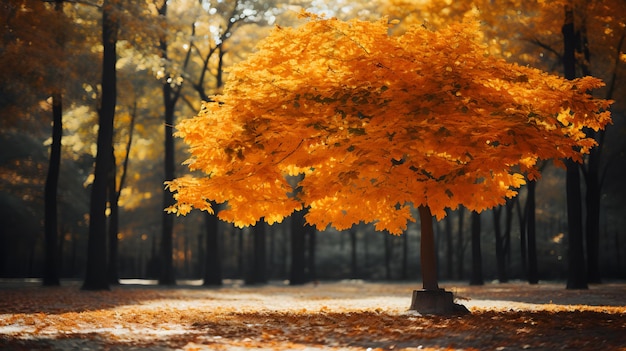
column 348, row 315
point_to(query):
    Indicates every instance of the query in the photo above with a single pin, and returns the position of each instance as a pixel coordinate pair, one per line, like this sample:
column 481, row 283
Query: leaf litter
column 346, row 315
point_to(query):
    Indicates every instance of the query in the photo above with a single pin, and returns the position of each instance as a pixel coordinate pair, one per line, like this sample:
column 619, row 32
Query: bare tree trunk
column 477, row 265
column 51, row 239
column 533, row 271
column 577, row 277
column 460, row 245
column 427, row 250
column 96, row 273
column 297, row 275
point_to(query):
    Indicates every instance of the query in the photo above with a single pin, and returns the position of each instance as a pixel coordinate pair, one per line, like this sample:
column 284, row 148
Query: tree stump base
column 438, row 302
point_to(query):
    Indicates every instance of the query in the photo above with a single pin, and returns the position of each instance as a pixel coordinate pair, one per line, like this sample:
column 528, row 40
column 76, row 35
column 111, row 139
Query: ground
column 347, row 315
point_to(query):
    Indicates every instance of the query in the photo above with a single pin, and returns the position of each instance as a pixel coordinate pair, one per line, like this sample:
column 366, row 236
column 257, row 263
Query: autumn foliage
column 377, row 124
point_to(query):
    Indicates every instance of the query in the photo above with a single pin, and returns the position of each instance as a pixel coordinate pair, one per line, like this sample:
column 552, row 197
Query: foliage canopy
column 376, row 124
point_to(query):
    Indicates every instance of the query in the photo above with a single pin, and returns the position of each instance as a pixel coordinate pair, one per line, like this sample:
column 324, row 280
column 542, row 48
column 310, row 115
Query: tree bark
column 533, row 270
column 297, row 275
column 577, row 278
column 258, row 273
column 113, row 273
column 427, row 250
column 212, row 260
column 353, row 254
column 51, row 235
column 460, row 246
column 51, row 272
column 477, row 265
column 96, row 269
column 499, row 243
column 170, row 97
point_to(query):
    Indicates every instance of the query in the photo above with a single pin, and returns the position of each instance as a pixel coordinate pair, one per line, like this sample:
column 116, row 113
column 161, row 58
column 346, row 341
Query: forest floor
column 347, row 315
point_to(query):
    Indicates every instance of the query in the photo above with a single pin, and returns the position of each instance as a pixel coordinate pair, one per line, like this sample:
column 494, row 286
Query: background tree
column 335, row 94
column 96, row 276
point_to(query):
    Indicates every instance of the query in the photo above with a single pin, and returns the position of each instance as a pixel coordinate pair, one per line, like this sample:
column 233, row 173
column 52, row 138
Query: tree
column 378, row 123
column 96, row 276
column 576, row 276
column 476, row 277
column 51, row 270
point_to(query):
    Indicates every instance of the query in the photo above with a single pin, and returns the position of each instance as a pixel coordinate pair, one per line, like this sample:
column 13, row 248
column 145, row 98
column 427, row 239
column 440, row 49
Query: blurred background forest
column 171, row 55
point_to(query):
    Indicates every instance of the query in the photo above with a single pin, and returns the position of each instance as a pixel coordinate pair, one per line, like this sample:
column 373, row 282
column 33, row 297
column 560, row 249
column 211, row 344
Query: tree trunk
column 460, row 246
column 297, row 275
column 258, row 273
column 592, row 223
column 477, row 261
column 427, row 250
column 353, row 257
column 311, row 253
column 96, row 269
column 500, row 250
column 449, row 246
column 212, row 261
column 51, row 238
column 533, row 271
column 170, row 97
column 577, row 278
column 113, row 222
column 51, row 272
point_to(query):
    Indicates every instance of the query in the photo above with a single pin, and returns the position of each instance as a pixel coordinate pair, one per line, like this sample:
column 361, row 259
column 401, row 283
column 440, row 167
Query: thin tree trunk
column 500, row 250
column 460, row 245
column 427, row 250
column 297, row 275
column 577, row 278
column 531, row 226
column 170, row 97
column 311, row 255
column 113, row 273
column 449, row 246
column 477, row 265
column 96, row 269
column 51, row 239
column 258, row 273
column 51, row 273
column 353, row 257
column 212, row 260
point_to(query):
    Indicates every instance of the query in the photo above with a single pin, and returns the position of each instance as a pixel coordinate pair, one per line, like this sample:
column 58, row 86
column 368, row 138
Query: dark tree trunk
column 477, row 261
column 508, row 223
column 113, row 222
column 114, row 197
column 212, row 260
column 533, row 271
column 51, row 235
column 297, row 274
column 449, row 246
column 500, row 250
column 427, row 250
column 460, row 246
column 258, row 273
column 96, row 269
column 170, row 97
column 51, row 272
column 592, row 223
column 353, row 257
column 577, row 278
column 311, row 253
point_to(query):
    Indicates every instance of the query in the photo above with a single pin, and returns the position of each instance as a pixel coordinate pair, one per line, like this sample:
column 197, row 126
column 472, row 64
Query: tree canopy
column 378, row 123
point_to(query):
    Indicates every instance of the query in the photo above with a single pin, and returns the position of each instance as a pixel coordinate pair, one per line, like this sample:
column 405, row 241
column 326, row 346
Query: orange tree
column 378, row 124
